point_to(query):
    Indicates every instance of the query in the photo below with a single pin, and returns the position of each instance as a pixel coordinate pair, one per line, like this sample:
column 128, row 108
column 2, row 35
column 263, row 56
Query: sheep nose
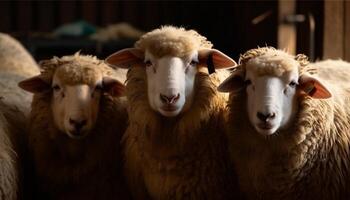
column 266, row 116
column 78, row 124
column 169, row 99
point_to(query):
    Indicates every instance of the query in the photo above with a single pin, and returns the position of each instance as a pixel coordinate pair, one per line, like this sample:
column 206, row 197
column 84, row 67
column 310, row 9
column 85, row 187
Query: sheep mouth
column 265, row 126
column 169, row 111
column 76, row 135
column 168, row 108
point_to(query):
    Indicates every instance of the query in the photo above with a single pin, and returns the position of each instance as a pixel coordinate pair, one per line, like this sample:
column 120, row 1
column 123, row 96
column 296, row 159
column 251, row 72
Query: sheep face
column 271, row 100
column 75, row 96
column 172, row 56
column 272, row 93
column 75, row 107
column 170, row 78
column 170, row 82
column 272, row 83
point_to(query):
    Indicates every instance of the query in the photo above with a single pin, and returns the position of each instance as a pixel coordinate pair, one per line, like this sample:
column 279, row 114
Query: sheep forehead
column 173, row 41
column 73, row 74
column 275, row 63
column 74, row 69
column 188, row 57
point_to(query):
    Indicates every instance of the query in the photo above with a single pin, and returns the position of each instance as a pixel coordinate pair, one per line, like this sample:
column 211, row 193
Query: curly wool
column 75, row 69
column 170, row 40
column 16, row 64
column 184, row 157
column 268, row 60
column 85, row 168
column 310, row 160
column 12, row 125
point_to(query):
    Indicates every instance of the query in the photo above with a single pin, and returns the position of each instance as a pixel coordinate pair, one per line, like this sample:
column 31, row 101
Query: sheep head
column 171, row 57
column 75, row 84
column 272, row 80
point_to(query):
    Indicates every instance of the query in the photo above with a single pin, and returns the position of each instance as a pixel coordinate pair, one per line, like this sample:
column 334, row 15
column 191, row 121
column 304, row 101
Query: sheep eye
column 292, row 84
column 248, row 82
column 56, row 88
column 148, row 63
column 98, row 88
column 194, row 63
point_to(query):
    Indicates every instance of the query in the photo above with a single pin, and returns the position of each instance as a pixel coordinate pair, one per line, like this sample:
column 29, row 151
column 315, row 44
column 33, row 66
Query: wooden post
column 286, row 32
column 334, row 24
column 347, row 31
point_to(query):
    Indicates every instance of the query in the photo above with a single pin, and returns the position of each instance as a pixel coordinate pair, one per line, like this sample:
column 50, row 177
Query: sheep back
column 16, row 64
column 15, row 58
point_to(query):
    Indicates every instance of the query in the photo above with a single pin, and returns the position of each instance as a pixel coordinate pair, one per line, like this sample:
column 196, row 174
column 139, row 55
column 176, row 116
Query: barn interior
column 55, row 28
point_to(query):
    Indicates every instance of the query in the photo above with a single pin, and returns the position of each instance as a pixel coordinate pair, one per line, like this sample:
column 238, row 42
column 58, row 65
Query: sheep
column 10, row 163
column 16, row 64
column 76, row 123
column 288, row 125
column 175, row 146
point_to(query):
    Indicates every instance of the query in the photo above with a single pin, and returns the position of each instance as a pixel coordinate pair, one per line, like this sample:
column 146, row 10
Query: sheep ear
column 125, row 58
column 113, row 86
column 313, row 87
column 34, row 85
column 234, row 83
column 218, row 59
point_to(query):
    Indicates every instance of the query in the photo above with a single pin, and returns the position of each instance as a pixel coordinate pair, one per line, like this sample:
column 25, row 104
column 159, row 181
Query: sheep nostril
column 71, row 121
column 265, row 117
column 175, row 98
column 271, row 115
column 169, row 99
column 78, row 124
column 164, row 98
column 261, row 116
column 82, row 123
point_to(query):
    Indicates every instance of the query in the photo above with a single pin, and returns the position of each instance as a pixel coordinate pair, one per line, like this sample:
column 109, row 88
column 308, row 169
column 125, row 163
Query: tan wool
column 186, row 156
column 16, row 64
column 88, row 168
column 170, row 40
column 310, row 159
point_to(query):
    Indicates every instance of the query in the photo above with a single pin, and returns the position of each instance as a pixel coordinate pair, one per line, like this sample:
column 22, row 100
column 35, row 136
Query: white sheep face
column 75, row 107
column 271, row 100
column 272, row 83
column 170, row 83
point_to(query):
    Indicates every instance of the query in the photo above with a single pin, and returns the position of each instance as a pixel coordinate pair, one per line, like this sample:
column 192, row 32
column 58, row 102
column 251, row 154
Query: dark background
column 227, row 24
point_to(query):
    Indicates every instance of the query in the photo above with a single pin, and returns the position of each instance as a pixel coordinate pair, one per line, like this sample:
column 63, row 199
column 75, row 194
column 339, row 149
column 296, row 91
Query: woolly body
column 86, row 168
column 310, row 159
column 11, row 127
column 16, row 64
column 180, row 157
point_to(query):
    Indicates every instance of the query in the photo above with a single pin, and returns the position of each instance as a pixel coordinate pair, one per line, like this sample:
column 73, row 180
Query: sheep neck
column 292, row 156
column 63, row 155
column 171, row 137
